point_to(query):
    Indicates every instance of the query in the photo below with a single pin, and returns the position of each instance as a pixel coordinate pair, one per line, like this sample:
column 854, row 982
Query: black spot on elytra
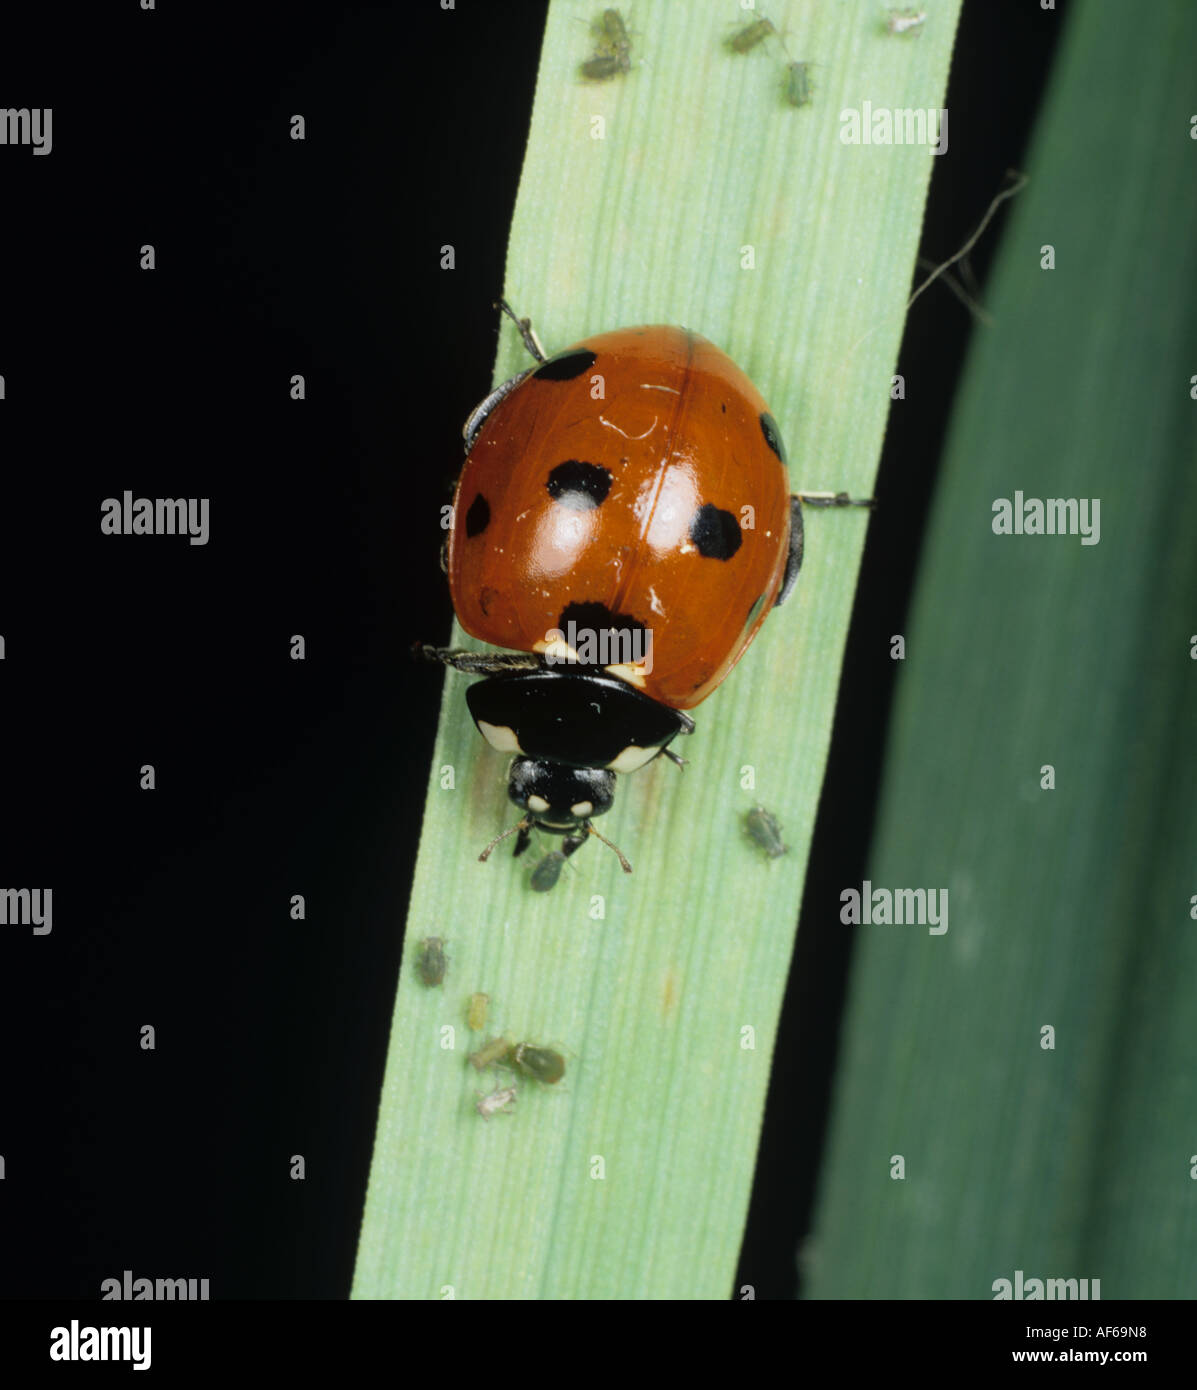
column 478, row 516
column 715, row 533
column 598, row 618
column 579, row 486
column 772, row 435
column 566, row 365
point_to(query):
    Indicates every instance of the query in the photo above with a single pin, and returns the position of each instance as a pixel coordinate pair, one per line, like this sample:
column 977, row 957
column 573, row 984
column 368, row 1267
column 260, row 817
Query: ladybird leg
column 812, row 499
column 833, row 499
column 477, row 416
column 572, row 843
column 794, row 559
column 522, row 840
column 674, row 759
column 527, row 332
column 479, row 663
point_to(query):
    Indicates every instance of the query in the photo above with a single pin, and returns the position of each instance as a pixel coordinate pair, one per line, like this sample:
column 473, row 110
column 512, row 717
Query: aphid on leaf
column 904, row 21
column 431, row 963
column 743, row 40
column 489, row 1053
column 496, row 1103
column 548, row 871
column 763, row 827
column 476, row 1013
column 798, row 85
column 613, row 52
column 540, row 1063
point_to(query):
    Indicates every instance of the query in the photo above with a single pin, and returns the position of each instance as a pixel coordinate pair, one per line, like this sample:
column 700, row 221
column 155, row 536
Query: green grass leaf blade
column 642, row 200
column 1069, row 908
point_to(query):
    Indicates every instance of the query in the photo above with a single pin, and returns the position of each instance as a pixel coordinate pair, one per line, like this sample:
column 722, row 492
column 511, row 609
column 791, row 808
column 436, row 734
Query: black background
column 276, row 777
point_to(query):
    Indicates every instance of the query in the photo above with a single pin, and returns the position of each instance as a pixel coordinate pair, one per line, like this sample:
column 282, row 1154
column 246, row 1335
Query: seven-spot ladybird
column 623, row 525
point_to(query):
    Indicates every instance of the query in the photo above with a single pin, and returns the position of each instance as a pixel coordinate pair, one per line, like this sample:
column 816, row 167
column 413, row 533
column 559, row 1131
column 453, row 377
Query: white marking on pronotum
column 631, row 758
column 581, row 809
column 500, row 737
column 537, row 804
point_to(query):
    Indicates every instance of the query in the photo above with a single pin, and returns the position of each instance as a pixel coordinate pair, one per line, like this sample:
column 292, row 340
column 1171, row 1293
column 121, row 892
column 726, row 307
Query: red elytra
column 633, row 481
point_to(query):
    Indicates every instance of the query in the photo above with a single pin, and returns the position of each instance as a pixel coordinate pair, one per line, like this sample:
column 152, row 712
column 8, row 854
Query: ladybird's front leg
column 833, row 499
column 478, row 416
column 527, row 332
column 812, row 499
column 479, row 663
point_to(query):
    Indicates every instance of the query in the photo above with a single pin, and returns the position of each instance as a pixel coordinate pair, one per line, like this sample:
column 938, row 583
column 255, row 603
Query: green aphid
column 747, row 38
column 615, row 36
column 476, row 1013
column 762, row 825
column 540, row 1063
column 798, row 84
column 431, row 963
column 600, row 68
column 489, row 1053
column 613, row 52
column 548, row 871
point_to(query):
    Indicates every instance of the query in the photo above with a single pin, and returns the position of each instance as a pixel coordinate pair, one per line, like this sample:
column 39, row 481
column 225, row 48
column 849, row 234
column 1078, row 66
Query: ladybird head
column 559, row 798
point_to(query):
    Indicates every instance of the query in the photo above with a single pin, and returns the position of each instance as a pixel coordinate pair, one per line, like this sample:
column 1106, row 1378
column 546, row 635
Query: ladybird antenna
column 950, row 282
column 527, row 332
column 1016, row 181
column 485, row 855
column 1019, row 182
column 590, row 830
